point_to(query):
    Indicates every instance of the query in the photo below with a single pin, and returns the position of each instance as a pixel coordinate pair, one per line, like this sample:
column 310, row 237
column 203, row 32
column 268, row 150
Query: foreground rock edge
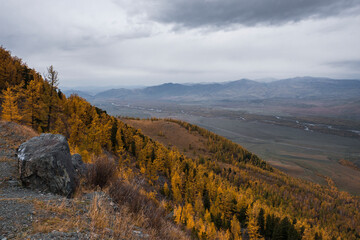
column 45, row 164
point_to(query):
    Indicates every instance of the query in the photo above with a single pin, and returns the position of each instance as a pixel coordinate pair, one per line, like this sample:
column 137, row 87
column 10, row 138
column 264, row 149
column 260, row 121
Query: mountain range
column 244, row 89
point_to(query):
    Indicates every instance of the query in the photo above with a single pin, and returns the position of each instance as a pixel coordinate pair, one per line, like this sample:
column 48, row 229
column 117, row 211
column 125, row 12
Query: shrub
column 129, row 195
column 101, row 173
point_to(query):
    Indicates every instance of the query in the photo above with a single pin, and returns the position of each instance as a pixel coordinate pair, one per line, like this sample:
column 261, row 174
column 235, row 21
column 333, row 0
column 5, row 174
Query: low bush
column 126, row 194
column 101, row 173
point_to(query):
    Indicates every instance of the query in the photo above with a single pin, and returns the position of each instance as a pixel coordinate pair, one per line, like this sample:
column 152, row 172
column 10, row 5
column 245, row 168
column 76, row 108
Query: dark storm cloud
column 219, row 13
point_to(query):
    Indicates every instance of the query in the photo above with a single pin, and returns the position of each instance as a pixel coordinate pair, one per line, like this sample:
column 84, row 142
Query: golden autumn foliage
column 231, row 194
column 10, row 110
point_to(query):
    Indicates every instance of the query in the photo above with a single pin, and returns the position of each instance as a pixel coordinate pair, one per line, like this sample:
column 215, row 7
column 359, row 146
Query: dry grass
column 63, row 208
column 108, row 223
column 15, row 134
column 5, row 159
column 17, row 129
column 172, row 134
column 149, row 216
column 137, row 213
column 97, row 218
column 130, row 196
column 24, row 131
column 132, row 215
column 63, row 217
column 46, row 225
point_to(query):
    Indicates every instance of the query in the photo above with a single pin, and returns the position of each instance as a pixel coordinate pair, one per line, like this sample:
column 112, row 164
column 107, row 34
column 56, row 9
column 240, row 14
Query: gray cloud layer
column 220, row 13
column 348, row 65
column 129, row 42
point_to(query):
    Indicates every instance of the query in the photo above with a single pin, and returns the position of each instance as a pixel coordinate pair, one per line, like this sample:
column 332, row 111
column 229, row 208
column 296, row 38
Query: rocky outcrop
column 45, row 163
column 79, row 166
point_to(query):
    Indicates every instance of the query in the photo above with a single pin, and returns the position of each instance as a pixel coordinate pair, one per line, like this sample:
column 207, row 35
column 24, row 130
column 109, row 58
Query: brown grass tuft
column 5, row 159
column 150, row 216
column 101, row 173
column 97, row 218
column 134, row 217
column 21, row 130
column 62, row 217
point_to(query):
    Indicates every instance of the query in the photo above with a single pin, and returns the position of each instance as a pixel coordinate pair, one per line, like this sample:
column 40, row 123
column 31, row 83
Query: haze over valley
column 304, row 126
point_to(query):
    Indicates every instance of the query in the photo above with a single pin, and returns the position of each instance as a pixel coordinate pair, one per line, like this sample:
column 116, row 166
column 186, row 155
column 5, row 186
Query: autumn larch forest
column 220, row 195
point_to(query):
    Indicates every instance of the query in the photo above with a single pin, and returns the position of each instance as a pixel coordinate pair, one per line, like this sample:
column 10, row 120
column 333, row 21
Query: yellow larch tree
column 10, row 111
column 236, row 228
column 253, row 228
column 176, row 183
column 34, row 104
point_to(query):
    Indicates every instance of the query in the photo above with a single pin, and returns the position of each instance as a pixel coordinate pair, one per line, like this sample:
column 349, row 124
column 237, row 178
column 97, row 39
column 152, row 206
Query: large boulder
column 45, row 163
column 79, row 166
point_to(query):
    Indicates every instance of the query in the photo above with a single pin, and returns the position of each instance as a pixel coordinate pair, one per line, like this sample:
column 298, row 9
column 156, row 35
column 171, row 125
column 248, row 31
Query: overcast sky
column 147, row 42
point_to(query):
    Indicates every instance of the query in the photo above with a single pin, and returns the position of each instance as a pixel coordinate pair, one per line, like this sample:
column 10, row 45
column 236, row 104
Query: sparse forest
column 221, row 196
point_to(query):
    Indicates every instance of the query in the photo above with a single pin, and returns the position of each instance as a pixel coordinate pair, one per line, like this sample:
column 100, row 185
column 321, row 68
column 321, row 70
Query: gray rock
column 45, row 163
column 78, row 164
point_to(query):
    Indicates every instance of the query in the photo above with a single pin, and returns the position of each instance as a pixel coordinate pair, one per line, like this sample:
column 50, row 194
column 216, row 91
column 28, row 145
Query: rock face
column 45, row 163
column 79, row 166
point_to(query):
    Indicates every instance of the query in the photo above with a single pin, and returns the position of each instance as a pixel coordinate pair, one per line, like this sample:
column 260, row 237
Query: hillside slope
column 32, row 214
column 343, row 175
column 225, row 193
column 171, row 134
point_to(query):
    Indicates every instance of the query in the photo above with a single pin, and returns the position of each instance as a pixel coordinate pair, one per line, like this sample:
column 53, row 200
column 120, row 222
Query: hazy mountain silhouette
column 294, row 88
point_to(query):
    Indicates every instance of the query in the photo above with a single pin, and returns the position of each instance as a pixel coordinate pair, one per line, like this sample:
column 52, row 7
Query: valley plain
column 309, row 138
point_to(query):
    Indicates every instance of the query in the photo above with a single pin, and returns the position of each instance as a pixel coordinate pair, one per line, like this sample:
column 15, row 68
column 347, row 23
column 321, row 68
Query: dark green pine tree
column 114, row 141
column 261, row 222
column 277, row 233
column 269, row 227
column 242, row 217
column 293, row 234
column 206, row 199
column 317, row 236
column 281, row 231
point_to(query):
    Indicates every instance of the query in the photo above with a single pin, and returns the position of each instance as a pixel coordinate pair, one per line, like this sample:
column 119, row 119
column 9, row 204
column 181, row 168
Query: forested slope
column 223, row 196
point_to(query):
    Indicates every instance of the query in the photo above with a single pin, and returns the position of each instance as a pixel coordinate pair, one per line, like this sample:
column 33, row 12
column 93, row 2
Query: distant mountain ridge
column 82, row 94
column 294, row 88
